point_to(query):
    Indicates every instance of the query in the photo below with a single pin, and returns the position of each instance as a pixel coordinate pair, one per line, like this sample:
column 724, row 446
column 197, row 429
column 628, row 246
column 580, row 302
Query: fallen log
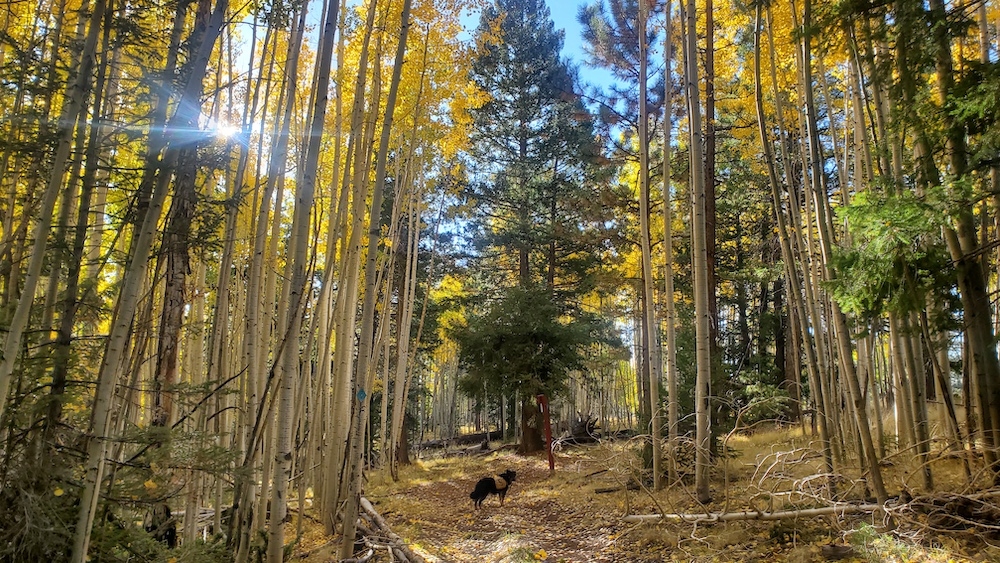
column 478, row 449
column 630, row 486
column 605, row 490
column 463, row 440
column 708, row 517
column 399, row 547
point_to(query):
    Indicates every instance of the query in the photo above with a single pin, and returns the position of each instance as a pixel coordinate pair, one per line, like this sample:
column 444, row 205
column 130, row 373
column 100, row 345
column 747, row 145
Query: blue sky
column 564, row 17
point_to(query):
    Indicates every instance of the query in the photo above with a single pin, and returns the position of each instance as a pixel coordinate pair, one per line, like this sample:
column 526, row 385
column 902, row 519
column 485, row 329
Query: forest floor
column 576, row 513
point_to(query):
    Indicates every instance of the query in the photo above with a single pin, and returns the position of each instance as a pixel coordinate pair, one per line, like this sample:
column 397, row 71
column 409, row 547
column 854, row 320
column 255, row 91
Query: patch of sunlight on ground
column 769, row 468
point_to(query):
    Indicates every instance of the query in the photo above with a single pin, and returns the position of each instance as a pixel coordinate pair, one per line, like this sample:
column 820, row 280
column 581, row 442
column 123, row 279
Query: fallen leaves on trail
column 563, row 518
column 535, row 524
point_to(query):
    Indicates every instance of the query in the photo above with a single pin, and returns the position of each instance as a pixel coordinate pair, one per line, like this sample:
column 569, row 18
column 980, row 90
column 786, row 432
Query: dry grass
column 568, row 516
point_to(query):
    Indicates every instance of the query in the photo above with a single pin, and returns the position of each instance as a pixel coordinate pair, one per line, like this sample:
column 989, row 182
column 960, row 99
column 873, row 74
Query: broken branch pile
column 953, row 512
column 379, row 536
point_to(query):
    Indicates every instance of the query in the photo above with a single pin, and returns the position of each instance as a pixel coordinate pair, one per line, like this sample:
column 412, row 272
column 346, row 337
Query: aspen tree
column 219, row 337
column 651, row 350
column 368, row 307
column 709, row 163
column 107, row 89
column 297, row 257
column 404, row 364
column 189, row 107
column 245, row 489
column 345, row 312
column 791, row 273
column 699, row 265
column 669, row 309
column 326, row 302
column 803, row 247
column 843, row 334
column 73, row 107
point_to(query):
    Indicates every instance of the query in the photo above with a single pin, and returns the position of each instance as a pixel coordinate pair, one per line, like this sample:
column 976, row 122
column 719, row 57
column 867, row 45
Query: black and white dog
column 493, row 486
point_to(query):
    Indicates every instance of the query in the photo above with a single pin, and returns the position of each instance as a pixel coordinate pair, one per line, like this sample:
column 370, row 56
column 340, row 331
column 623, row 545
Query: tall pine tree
column 533, row 150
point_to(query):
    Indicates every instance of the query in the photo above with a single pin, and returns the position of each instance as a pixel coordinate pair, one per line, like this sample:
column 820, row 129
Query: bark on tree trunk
column 368, row 307
column 299, row 260
column 700, row 267
column 669, row 311
column 73, row 108
column 791, row 273
column 652, row 342
column 531, row 435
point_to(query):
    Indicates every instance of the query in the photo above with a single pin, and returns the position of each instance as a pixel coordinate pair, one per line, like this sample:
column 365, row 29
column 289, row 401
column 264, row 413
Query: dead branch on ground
column 709, row 517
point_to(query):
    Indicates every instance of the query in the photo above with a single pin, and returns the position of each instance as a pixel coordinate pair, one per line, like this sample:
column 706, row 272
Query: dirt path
column 537, row 522
column 566, row 518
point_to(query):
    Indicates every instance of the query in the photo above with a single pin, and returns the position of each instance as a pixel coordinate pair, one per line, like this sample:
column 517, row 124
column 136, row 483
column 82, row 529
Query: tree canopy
column 249, row 252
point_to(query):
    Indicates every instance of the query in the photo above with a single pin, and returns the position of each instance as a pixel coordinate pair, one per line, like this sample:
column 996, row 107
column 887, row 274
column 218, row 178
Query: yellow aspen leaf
column 58, row 492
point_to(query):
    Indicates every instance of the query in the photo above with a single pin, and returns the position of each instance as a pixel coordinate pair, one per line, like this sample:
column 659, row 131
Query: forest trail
column 575, row 515
column 540, row 519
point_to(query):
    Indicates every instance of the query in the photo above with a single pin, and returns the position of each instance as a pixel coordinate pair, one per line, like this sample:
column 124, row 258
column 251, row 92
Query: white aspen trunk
column 322, row 431
column 298, row 260
column 345, row 322
column 651, row 350
column 347, row 296
column 815, row 321
column 916, row 382
column 73, row 108
column 866, row 366
column 283, row 345
column 389, row 285
column 257, row 413
column 699, row 266
column 805, row 222
column 353, row 495
column 288, row 357
column 218, row 340
column 904, row 417
column 305, row 397
column 404, row 364
column 194, row 344
column 383, row 440
column 794, row 284
column 275, row 335
column 322, row 428
column 669, row 310
column 134, row 275
column 839, row 321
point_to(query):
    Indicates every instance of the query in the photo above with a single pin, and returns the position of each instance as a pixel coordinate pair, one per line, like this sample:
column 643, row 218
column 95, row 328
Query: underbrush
column 767, row 470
